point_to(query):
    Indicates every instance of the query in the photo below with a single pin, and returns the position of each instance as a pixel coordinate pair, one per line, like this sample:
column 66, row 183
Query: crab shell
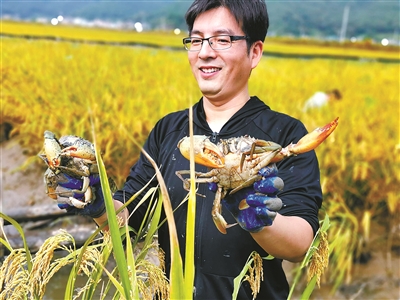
column 73, row 156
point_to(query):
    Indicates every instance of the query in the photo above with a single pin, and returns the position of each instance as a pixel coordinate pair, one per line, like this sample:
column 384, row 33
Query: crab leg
column 210, row 177
column 262, row 162
column 261, row 147
column 218, row 219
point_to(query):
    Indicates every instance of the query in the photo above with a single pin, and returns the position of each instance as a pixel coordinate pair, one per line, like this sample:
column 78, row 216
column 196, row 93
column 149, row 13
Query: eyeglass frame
column 233, row 38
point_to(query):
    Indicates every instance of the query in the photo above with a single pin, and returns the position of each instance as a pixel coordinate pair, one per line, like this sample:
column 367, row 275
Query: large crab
column 71, row 155
column 235, row 163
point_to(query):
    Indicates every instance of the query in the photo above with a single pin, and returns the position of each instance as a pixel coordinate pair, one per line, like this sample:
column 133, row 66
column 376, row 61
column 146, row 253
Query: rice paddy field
column 122, row 91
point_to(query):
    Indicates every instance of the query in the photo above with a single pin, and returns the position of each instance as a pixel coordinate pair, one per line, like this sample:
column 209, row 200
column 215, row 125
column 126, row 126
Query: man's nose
column 206, row 50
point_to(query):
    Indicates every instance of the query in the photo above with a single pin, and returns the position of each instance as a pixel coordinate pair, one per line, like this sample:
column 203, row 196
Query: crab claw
column 205, row 152
column 52, row 149
column 309, row 141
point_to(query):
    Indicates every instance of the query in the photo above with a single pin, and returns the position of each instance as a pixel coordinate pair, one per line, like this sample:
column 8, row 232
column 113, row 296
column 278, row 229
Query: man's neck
column 218, row 114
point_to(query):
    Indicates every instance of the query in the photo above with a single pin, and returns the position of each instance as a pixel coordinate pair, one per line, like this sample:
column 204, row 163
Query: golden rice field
column 169, row 39
column 63, row 87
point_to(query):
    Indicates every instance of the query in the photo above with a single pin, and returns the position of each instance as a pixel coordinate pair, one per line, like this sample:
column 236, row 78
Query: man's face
column 221, row 74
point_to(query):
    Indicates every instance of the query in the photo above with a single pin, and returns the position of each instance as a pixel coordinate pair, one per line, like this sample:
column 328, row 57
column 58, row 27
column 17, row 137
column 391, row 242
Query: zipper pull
column 214, row 137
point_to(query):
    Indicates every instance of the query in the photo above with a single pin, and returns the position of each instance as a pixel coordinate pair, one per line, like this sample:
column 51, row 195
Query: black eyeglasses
column 217, row 42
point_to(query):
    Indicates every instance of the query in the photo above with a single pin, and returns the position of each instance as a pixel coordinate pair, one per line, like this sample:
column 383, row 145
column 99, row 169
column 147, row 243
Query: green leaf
column 113, row 227
column 313, row 247
column 325, row 224
column 131, row 265
column 116, row 283
column 6, row 244
column 177, row 290
column 191, row 218
column 239, row 279
column 154, row 223
column 21, row 232
column 309, row 289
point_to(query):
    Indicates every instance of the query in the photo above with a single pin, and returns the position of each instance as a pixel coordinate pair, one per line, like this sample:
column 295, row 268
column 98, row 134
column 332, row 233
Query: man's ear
column 256, row 52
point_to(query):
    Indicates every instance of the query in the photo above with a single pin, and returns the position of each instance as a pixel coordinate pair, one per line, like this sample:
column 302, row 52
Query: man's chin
column 209, row 92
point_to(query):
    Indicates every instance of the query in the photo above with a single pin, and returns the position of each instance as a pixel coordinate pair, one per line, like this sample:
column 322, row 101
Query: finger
column 265, row 215
column 212, row 186
column 63, row 205
column 94, row 179
column 259, row 200
column 66, row 193
column 249, row 220
column 269, row 171
column 69, row 182
column 269, row 185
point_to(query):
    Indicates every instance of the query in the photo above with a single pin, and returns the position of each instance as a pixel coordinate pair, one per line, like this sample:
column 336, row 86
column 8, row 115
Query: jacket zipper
column 214, row 137
column 199, row 229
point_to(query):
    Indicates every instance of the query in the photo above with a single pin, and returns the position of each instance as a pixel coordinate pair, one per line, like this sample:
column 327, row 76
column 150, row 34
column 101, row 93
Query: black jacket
column 220, row 258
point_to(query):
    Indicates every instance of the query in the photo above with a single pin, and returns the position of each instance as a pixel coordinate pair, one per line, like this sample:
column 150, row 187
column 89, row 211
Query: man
column 225, row 44
column 320, row 99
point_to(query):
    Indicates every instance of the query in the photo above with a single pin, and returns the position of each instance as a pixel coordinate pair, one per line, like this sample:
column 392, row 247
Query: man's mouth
column 209, row 70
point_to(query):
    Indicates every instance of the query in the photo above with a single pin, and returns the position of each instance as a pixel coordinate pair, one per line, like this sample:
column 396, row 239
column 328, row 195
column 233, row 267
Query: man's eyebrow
column 216, row 32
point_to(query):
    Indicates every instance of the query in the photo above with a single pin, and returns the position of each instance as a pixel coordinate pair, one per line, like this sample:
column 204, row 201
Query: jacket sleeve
column 302, row 195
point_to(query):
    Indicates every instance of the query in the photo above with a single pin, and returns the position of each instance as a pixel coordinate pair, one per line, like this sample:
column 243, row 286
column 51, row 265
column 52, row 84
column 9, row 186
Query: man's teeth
column 212, row 70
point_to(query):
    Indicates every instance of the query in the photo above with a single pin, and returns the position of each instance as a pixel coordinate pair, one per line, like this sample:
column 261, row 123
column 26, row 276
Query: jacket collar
column 243, row 116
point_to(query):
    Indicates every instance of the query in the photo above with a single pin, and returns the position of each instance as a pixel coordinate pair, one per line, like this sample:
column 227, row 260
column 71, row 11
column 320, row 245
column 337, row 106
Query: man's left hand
column 257, row 206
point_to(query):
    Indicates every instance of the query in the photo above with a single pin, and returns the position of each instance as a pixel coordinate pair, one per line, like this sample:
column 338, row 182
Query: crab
column 70, row 155
column 235, row 163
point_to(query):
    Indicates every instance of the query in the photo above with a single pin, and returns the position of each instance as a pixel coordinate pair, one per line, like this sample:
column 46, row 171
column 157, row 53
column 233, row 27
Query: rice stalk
column 255, row 274
column 252, row 272
column 89, row 265
column 152, row 280
column 42, row 267
column 14, row 276
column 320, row 259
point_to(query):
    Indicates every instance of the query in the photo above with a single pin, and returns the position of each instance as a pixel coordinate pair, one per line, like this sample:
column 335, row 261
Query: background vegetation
column 60, row 86
column 367, row 19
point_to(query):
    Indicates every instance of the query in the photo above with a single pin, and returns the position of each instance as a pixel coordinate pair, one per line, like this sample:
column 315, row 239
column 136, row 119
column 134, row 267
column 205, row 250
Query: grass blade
column 307, row 259
column 21, row 232
column 191, row 216
column 6, row 244
column 309, row 289
column 177, row 290
column 239, row 279
column 114, row 227
column 131, row 264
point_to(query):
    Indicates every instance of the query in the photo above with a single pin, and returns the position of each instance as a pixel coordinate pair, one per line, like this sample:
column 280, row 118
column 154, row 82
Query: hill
column 321, row 19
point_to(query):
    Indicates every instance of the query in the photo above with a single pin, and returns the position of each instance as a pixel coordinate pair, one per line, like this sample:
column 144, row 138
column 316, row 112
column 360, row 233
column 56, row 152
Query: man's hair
column 336, row 93
column 251, row 15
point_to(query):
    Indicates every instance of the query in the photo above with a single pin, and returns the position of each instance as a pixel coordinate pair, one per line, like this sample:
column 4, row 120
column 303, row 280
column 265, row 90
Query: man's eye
column 222, row 41
column 196, row 41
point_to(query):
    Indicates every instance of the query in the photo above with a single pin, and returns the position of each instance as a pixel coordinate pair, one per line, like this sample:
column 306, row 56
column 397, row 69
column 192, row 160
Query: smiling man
column 222, row 75
column 225, row 43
